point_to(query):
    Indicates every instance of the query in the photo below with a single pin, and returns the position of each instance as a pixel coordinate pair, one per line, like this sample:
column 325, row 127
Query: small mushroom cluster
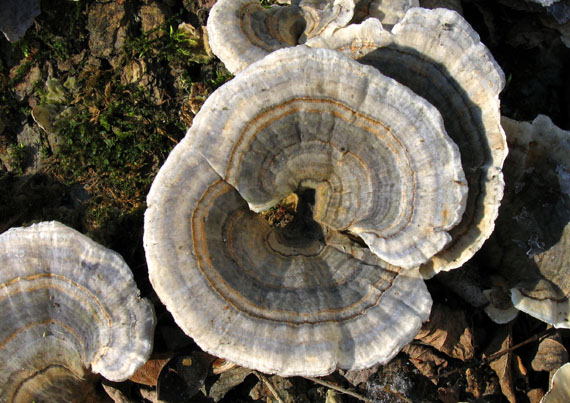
column 389, row 141
column 69, row 309
column 530, row 247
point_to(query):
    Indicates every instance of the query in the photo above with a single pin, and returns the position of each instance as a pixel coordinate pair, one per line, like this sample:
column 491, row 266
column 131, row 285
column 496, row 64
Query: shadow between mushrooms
column 69, row 308
column 373, row 170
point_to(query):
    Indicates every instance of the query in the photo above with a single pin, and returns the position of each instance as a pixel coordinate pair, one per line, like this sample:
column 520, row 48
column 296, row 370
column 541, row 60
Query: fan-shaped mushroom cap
column 376, row 154
column 388, row 12
column 500, row 308
column 533, row 229
column 68, row 306
column 323, row 17
column 305, row 299
column 242, row 31
column 439, row 56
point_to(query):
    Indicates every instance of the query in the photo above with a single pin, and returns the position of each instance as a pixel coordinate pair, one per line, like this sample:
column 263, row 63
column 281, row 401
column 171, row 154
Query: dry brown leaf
column 550, row 356
column 425, row 360
column 502, row 365
column 356, row 377
column 148, row 373
column 475, row 384
column 535, row 395
column 447, row 331
column 150, row 395
column 450, row 394
column 519, row 368
column 282, row 387
column 115, row 394
column 227, row 381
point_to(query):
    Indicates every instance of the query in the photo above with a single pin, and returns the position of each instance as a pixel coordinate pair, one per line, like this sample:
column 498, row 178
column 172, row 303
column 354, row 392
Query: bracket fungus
column 372, row 166
column 242, row 31
column 389, row 12
column 531, row 245
column 439, row 56
column 70, row 307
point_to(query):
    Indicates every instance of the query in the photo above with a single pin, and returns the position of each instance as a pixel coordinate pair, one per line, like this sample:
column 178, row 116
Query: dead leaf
column 356, row 377
column 425, row 360
column 148, row 373
column 282, row 386
column 150, row 395
column 447, row 331
column 450, row 394
column 227, row 381
column 519, row 368
column 502, row 365
column 116, row 394
column 550, row 356
column 475, row 385
column 535, row 395
column 183, row 376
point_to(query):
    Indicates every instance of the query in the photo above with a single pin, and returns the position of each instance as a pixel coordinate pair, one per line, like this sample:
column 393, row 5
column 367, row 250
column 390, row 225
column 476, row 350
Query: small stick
column 496, row 355
column 269, row 385
column 337, row 388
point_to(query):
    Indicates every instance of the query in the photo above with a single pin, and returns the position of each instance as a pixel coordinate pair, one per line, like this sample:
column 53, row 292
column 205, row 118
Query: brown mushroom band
column 365, row 156
column 271, row 28
column 68, row 307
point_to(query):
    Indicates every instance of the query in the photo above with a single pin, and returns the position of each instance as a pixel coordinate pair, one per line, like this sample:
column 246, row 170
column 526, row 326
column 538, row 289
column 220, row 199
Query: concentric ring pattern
column 69, row 307
column 368, row 158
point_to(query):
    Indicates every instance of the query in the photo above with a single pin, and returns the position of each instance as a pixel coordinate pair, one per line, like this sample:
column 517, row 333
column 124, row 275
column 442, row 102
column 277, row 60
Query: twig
column 496, row 355
column 269, row 385
column 337, row 388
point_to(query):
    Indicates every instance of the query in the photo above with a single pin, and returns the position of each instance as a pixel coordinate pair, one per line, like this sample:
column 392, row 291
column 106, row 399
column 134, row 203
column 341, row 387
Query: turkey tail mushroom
column 69, row 307
column 439, row 56
column 242, row 31
column 371, row 165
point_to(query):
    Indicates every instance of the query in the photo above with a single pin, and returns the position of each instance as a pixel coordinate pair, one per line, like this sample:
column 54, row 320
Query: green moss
column 114, row 145
column 168, row 43
column 17, row 157
column 116, row 136
column 220, row 79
